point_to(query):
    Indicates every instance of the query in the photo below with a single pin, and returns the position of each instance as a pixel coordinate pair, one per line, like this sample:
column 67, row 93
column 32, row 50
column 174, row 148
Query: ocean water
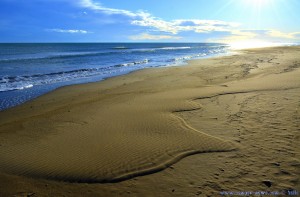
column 30, row 70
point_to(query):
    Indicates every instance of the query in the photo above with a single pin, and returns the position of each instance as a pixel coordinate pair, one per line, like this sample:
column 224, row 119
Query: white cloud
column 155, row 24
column 176, row 26
column 279, row 34
column 256, row 38
column 236, row 36
column 145, row 19
column 146, row 36
column 98, row 7
column 72, row 31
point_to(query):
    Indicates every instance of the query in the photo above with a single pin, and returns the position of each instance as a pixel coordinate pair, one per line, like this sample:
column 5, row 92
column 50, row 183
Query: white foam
column 5, row 88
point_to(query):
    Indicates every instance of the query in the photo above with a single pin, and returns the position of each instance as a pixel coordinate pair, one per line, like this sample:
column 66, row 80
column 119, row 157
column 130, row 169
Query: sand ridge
column 108, row 141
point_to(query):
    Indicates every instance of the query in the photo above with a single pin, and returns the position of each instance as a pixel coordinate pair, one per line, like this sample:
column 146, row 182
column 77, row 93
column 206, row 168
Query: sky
column 226, row 21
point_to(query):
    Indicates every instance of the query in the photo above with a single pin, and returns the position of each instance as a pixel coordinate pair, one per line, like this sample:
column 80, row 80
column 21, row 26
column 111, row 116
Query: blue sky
column 226, row 21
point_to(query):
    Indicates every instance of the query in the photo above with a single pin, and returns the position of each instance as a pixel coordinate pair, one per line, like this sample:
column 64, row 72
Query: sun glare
column 247, row 44
column 257, row 3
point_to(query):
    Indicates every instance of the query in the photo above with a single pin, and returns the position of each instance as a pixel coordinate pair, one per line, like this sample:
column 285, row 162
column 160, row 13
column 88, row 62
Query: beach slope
column 240, row 111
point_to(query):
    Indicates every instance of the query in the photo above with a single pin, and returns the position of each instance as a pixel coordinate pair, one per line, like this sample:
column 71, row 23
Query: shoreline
column 45, row 90
column 39, row 90
column 138, row 108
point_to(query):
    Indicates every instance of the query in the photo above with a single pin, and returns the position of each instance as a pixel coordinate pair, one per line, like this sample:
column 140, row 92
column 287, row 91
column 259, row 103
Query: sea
column 29, row 70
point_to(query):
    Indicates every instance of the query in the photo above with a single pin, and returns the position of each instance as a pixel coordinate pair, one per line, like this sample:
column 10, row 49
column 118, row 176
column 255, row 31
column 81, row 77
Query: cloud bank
column 154, row 25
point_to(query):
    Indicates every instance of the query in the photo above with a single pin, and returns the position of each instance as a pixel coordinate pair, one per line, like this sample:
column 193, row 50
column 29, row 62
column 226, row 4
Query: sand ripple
column 108, row 139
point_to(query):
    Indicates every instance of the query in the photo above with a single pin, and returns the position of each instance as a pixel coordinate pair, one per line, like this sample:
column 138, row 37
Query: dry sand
column 241, row 112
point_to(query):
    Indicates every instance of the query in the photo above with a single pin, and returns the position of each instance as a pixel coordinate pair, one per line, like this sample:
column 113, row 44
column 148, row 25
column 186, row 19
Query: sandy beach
column 217, row 125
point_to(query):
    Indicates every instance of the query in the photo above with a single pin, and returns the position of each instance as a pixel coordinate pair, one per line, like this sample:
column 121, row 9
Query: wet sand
column 220, row 124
